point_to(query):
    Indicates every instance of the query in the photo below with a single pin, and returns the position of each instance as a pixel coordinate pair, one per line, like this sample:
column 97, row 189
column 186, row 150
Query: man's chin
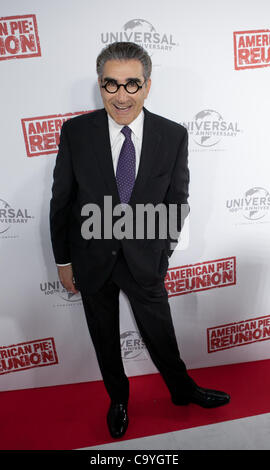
column 123, row 121
column 122, row 118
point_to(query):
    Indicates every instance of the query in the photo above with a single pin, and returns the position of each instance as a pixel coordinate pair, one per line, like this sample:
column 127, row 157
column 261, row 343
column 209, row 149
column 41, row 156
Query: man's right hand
column 65, row 274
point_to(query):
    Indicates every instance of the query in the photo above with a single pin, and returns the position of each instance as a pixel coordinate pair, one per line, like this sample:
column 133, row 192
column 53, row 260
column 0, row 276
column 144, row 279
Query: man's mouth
column 122, row 108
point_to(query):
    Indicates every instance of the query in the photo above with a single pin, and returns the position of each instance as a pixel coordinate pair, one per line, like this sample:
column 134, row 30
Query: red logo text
column 238, row 334
column 42, row 134
column 251, row 49
column 19, row 37
column 22, row 356
column 201, row 276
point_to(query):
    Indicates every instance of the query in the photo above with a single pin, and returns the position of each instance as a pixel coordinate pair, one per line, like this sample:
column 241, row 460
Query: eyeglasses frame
column 125, row 86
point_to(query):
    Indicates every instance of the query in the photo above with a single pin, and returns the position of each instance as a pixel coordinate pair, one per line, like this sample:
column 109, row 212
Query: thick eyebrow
column 135, row 79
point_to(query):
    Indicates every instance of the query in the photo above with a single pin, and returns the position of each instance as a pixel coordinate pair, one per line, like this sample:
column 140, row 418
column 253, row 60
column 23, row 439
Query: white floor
column 241, row 434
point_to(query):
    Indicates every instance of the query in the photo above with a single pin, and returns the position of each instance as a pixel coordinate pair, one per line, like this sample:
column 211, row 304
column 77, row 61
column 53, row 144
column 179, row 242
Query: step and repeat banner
column 211, row 74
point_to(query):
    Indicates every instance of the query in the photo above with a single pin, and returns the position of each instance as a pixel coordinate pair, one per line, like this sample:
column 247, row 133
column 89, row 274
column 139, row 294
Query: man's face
column 122, row 106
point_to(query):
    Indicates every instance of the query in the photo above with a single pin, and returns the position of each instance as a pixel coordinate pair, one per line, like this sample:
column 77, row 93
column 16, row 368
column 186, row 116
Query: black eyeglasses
column 111, row 86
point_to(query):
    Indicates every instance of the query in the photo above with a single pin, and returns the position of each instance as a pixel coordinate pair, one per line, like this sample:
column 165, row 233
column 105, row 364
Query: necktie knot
column 126, row 131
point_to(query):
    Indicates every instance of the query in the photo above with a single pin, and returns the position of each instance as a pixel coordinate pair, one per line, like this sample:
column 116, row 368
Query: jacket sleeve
column 178, row 193
column 63, row 191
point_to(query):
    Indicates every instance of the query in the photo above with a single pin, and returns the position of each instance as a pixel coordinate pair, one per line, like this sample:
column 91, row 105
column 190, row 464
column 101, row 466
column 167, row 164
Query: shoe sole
column 187, row 402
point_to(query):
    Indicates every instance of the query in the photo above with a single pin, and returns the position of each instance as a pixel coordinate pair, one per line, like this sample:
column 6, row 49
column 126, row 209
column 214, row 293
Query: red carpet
column 74, row 416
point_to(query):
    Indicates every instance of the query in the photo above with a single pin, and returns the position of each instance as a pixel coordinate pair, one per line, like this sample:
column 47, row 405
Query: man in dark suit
column 123, row 154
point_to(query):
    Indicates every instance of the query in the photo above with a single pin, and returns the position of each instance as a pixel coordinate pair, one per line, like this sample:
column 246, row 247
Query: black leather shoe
column 203, row 397
column 117, row 419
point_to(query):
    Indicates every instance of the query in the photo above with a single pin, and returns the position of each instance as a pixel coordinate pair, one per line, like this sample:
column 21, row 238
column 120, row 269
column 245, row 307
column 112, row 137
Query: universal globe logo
column 141, row 32
column 254, row 205
column 4, row 209
column 10, row 216
column 208, row 128
column 132, row 345
column 55, row 287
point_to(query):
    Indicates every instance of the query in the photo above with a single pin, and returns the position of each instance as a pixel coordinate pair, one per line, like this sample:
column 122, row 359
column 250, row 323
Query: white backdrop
column 47, row 62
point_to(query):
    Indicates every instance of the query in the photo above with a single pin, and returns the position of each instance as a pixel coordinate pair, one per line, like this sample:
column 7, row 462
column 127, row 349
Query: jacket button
column 114, row 253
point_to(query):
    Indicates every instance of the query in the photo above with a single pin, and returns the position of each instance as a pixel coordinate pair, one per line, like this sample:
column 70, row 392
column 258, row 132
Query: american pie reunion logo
column 23, row 356
column 201, row 276
column 19, row 37
column 251, row 49
column 42, row 134
column 239, row 333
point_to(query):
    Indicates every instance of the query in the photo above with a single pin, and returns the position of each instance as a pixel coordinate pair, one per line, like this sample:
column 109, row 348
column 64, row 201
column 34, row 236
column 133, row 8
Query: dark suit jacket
column 84, row 174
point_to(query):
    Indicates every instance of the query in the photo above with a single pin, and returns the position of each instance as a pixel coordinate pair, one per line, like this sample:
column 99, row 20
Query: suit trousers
column 152, row 314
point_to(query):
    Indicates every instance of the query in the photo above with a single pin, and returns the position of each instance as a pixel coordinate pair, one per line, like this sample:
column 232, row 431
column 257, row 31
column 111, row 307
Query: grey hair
column 124, row 51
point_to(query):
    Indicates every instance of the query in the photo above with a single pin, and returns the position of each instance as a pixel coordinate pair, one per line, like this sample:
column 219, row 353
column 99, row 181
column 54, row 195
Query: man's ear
column 148, row 86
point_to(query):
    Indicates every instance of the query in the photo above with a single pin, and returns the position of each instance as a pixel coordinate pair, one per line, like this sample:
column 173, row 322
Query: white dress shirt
column 117, row 140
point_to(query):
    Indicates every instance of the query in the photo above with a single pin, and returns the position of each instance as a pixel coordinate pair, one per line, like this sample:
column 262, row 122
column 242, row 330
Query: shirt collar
column 136, row 126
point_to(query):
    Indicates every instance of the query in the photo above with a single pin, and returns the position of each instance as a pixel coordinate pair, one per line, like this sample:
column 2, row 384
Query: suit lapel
column 102, row 147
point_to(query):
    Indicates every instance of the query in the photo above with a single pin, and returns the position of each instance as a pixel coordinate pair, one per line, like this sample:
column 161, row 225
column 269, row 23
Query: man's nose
column 122, row 94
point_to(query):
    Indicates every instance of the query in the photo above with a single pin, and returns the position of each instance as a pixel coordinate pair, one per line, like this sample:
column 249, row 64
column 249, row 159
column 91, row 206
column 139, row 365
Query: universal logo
column 253, row 205
column 10, row 216
column 143, row 33
column 208, row 129
column 132, row 345
column 50, row 288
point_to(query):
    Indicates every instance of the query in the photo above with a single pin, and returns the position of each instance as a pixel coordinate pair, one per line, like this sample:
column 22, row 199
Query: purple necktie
column 125, row 172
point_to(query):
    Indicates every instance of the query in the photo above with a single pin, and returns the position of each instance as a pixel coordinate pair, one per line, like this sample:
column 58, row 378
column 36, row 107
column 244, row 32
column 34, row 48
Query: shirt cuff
column 67, row 264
